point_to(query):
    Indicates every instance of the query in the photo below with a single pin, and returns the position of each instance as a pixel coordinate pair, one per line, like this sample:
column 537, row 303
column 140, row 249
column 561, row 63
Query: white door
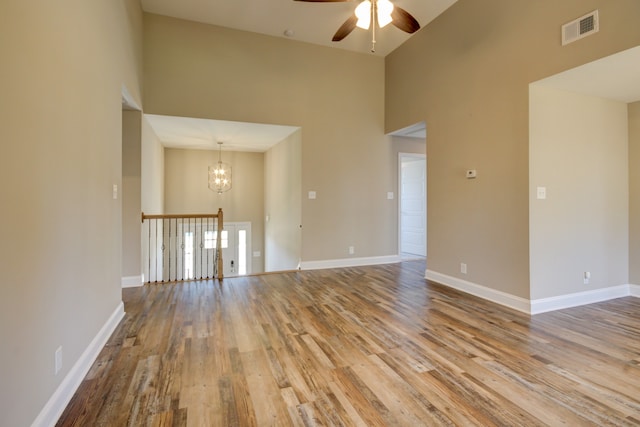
column 413, row 204
column 236, row 247
column 199, row 244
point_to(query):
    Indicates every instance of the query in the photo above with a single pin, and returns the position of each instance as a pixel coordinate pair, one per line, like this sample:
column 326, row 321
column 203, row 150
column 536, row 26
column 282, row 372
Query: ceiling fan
column 381, row 12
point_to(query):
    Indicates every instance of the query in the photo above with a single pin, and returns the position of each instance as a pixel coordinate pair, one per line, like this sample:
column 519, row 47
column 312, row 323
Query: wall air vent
column 579, row 28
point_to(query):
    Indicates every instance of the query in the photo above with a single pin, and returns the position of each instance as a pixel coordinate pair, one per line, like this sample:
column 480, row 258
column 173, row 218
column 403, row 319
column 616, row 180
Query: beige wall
column 579, row 152
column 466, row 75
column 335, row 96
column 187, row 191
column 634, row 193
column 403, row 144
column 63, row 67
column 283, row 204
column 131, row 194
column 152, row 171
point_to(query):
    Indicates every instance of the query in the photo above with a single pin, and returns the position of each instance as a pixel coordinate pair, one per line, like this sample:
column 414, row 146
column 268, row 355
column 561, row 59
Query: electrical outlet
column 58, row 360
column 463, row 268
column 586, row 277
column 352, row 250
column 541, row 193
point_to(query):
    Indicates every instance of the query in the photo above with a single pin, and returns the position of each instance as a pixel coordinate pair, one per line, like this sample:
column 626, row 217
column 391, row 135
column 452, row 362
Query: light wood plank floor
column 373, row 346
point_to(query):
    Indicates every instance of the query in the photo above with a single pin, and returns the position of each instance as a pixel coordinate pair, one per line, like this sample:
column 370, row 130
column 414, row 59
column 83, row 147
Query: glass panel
column 242, row 252
column 210, row 239
column 210, row 243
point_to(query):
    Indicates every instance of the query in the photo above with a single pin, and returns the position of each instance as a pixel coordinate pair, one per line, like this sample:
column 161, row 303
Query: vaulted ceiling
column 312, row 22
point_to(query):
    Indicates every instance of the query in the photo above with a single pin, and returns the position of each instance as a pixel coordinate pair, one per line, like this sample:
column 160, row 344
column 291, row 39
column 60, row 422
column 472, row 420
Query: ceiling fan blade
column 323, row 1
column 404, row 21
column 345, row 29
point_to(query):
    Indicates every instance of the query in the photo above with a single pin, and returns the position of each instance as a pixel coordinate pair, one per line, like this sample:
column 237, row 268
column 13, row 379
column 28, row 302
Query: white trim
column 57, row 403
column 538, row 306
column 559, row 302
column 502, row 298
column 349, row 262
column 132, row 281
column 401, row 156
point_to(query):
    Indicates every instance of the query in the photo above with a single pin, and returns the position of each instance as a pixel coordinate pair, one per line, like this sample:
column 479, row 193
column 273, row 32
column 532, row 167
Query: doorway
column 412, row 183
column 236, row 247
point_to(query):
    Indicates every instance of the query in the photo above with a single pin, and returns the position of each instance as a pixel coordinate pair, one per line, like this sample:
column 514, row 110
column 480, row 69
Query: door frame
column 234, row 226
column 401, row 156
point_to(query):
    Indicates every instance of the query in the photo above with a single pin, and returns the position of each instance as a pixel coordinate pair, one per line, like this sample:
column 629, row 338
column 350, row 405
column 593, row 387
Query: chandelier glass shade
column 220, row 174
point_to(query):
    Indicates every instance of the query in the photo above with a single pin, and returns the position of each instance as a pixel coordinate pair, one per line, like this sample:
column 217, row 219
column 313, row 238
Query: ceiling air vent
column 579, row 28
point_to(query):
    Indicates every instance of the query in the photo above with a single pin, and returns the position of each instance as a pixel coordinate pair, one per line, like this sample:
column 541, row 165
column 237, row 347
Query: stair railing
column 182, row 247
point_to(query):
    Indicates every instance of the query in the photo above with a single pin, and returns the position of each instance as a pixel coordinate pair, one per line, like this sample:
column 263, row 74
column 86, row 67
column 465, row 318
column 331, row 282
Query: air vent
column 580, row 28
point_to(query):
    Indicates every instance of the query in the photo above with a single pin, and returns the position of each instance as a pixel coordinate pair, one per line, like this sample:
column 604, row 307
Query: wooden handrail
column 218, row 216
column 178, row 216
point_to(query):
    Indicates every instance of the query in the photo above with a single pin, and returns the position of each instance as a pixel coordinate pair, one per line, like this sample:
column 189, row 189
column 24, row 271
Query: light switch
column 390, row 195
column 115, row 191
column 312, row 195
column 542, row 193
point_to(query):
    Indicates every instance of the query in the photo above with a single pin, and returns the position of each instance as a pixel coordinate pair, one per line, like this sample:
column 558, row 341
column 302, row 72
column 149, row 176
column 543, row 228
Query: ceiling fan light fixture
column 381, row 12
column 385, row 8
column 363, row 13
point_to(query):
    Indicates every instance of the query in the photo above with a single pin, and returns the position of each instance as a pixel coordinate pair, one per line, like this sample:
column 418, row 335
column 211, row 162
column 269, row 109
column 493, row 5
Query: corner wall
column 579, row 152
column 634, row 193
column 152, row 171
column 64, row 64
column 467, row 75
column 131, row 196
column 283, row 204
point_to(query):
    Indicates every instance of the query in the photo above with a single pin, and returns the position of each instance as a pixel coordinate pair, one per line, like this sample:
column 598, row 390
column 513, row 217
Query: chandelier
column 220, row 174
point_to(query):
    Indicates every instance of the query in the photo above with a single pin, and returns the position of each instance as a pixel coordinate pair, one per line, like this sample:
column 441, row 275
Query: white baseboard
column 538, row 306
column 132, row 281
column 349, row 262
column 499, row 297
column 559, row 302
column 52, row 411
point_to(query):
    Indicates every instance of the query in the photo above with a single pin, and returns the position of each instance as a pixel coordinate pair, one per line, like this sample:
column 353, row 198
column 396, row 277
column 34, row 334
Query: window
column 210, row 238
column 242, row 252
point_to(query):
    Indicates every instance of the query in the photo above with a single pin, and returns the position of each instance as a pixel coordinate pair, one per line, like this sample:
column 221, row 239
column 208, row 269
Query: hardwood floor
column 371, row 346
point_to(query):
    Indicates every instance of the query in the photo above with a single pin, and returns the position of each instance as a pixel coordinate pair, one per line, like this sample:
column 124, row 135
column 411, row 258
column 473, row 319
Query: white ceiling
column 204, row 134
column 614, row 77
column 310, row 22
